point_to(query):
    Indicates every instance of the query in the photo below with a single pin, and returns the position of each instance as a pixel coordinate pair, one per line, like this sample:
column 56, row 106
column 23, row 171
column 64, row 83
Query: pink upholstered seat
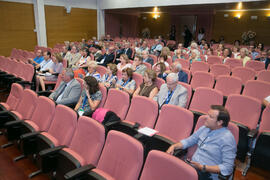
column 264, row 75
column 199, row 66
column 211, row 60
column 220, row 69
column 257, row 66
column 189, row 90
column 202, row 79
column 159, row 82
column 185, row 63
column 138, row 78
column 228, row 85
column 244, row 73
column 14, row 97
column 160, row 165
column 102, row 70
column 232, row 62
column 257, row 89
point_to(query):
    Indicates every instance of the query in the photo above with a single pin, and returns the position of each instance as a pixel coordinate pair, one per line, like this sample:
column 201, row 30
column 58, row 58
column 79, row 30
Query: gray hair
column 178, row 66
column 93, row 64
column 69, row 72
column 173, row 77
column 144, row 51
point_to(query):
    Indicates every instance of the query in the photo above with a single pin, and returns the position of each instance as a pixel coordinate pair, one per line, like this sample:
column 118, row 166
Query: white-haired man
column 171, row 92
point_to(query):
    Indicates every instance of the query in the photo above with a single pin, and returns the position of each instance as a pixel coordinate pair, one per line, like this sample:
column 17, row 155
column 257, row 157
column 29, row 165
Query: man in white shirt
column 47, row 63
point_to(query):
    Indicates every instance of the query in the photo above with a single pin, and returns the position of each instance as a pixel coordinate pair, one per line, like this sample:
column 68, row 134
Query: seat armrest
column 79, row 171
column 252, row 133
column 56, row 74
column 180, row 152
column 222, row 177
column 44, row 93
column 50, row 151
column 197, row 113
column 29, row 135
column 12, row 123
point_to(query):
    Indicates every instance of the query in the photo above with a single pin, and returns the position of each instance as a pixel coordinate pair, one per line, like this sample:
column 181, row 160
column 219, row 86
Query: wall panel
column 80, row 23
column 17, row 27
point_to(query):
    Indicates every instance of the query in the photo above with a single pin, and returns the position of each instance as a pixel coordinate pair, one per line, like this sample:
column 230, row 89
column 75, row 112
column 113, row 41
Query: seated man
column 146, row 58
column 47, row 63
column 69, row 90
column 216, row 149
column 38, row 59
column 176, row 67
column 172, row 92
column 156, row 48
column 107, row 58
column 265, row 57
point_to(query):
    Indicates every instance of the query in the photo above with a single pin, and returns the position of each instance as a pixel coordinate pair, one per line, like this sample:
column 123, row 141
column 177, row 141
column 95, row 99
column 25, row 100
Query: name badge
column 80, row 112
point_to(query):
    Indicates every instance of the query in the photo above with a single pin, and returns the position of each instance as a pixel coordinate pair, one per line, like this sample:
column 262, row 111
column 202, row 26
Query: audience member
column 38, row 59
column 148, row 88
column 124, row 62
column 147, row 58
column 110, row 77
column 195, row 56
column 126, row 83
column 90, row 96
column 156, row 48
column 160, row 69
column 227, row 53
column 47, row 63
column 176, row 68
column 200, row 35
column 69, row 90
column 178, row 55
column 162, row 59
column 235, row 52
column 72, row 56
column 216, row 149
column 92, row 70
column 138, row 65
column 165, row 52
column 127, row 50
column 85, row 58
column 107, row 58
column 171, row 92
column 244, row 55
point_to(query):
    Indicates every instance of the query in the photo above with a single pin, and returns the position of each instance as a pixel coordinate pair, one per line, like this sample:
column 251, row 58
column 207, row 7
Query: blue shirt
column 38, row 59
column 215, row 147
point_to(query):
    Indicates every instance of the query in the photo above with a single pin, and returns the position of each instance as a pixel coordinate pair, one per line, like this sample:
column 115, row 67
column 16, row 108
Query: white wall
column 114, row 4
column 85, row 4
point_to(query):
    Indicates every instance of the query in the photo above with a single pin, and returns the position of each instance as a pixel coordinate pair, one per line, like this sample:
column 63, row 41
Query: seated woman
column 162, row 59
column 53, row 72
column 195, row 56
column 138, row 65
column 160, row 71
column 219, row 50
column 148, row 88
column 90, row 97
column 84, row 59
column 124, row 62
column 92, row 70
column 109, row 79
column 165, row 52
column 244, row 56
column 126, row 84
column 235, row 52
column 227, row 53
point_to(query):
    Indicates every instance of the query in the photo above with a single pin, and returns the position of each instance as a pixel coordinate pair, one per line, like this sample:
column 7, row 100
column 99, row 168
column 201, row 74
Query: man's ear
column 220, row 122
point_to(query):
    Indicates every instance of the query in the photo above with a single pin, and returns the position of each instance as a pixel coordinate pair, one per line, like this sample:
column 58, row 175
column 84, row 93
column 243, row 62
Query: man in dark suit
column 265, row 57
column 146, row 58
column 69, row 90
column 107, row 58
column 176, row 67
column 127, row 50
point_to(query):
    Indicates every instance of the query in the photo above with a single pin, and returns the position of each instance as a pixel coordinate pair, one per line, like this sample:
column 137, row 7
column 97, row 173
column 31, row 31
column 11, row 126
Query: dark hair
column 262, row 48
column 164, row 57
column 230, row 51
column 113, row 68
column 129, row 72
column 49, row 54
column 92, row 83
column 87, row 51
column 223, row 114
column 139, row 57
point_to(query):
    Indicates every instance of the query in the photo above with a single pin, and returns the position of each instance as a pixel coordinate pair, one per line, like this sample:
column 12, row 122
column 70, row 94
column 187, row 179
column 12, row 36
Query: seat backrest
column 154, row 58
column 159, row 82
column 28, row 72
column 228, row 85
column 143, row 111
column 59, row 80
column 101, row 70
column 27, row 104
column 185, row 63
column 188, row 73
column 202, row 79
column 244, row 110
column 122, row 156
column 199, row 66
column 63, row 124
column 189, row 91
column 15, row 96
column 118, row 102
column 103, row 90
column 80, row 80
column 214, row 60
column 232, row 62
column 220, row 69
column 88, row 139
column 255, row 65
column 243, row 73
column 138, row 78
column 265, row 123
column 203, row 98
column 148, row 65
column 160, row 165
column 174, row 122
column 257, row 89
column 43, row 114
column 264, row 75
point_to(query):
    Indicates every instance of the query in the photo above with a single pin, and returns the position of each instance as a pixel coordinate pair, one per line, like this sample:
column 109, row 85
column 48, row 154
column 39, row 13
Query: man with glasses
column 216, row 149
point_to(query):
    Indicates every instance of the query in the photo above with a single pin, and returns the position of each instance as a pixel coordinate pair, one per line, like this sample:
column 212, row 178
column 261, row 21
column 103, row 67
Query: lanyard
column 170, row 93
column 124, row 84
column 84, row 102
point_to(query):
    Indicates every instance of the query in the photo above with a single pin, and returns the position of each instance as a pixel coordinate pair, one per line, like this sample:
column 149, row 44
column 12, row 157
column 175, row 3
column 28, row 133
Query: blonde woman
column 244, row 56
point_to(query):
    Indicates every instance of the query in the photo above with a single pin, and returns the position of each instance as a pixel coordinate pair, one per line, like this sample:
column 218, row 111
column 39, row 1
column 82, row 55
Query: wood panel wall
column 232, row 28
column 17, row 27
column 61, row 26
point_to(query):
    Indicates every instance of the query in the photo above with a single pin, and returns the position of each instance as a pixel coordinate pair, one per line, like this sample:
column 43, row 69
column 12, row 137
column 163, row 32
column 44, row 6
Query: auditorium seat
column 85, row 148
column 138, row 78
column 118, row 102
column 199, row 66
column 13, row 98
column 211, row 60
column 161, row 165
column 121, row 158
column 185, row 63
column 228, row 85
column 220, row 69
column 261, row 157
column 244, row 73
column 101, row 70
column 257, row 89
column 232, row 62
column 257, row 66
column 202, row 79
column 148, row 65
column 188, row 74
column 189, row 91
column 264, row 75
column 159, row 82
column 244, row 112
